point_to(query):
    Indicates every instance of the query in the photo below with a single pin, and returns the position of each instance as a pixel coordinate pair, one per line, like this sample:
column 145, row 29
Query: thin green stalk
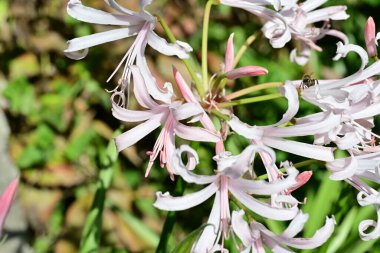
column 252, row 89
column 265, row 176
column 242, row 50
column 306, row 163
column 249, row 100
column 220, row 115
column 170, row 219
column 206, row 21
column 93, row 225
column 187, row 62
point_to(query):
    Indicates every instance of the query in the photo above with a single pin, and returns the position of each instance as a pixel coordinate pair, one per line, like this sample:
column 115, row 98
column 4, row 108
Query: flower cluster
column 346, row 121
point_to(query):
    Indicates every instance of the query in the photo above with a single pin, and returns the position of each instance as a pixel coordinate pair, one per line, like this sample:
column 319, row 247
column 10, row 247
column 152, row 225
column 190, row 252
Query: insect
column 308, row 81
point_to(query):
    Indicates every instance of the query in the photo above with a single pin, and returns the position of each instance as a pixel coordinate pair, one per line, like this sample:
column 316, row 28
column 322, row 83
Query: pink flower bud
column 246, row 71
column 369, row 35
column 6, row 201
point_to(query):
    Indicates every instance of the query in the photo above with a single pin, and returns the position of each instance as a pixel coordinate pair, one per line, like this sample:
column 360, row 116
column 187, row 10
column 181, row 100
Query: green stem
column 170, row 219
column 93, row 225
column 306, row 163
column 187, row 62
column 206, row 21
column 220, row 115
column 251, row 89
column 242, row 50
column 249, row 100
column 265, row 176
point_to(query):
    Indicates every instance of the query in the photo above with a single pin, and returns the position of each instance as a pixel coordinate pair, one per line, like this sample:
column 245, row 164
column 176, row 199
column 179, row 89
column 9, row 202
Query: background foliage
column 61, row 124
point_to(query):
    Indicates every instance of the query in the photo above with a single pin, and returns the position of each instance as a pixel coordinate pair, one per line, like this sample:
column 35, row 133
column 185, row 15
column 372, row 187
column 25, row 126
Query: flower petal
column 130, row 115
column 332, row 12
column 249, row 132
column 162, row 46
column 195, row 133
column 310, row 5
column 369, row 35
column 241, row 228
column 135, row 134
column 187, row 110
column 169, row 203
column 120, row 8
column 341, row 171
column 77, row 10
column 83, row 43
column 210, row 234
column 301, row 149
column 261, row 208
column 367, row 224
column 296, row 225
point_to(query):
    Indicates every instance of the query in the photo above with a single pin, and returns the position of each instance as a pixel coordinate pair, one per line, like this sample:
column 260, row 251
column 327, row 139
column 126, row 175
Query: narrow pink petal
column 230, row 55
column 195, row 133
column 77, row 10
column 6, row 201
column 140, row 90
column 241, row 228
column 261, row 208
column 246, row 71
column 369, row 35
column 169, row 203
column 301, row 179
column 302, row 149
column 135, row 134
column 184, row 88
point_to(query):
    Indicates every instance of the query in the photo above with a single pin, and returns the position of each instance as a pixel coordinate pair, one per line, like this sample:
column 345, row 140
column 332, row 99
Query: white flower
column 228, row 178
column 136, row 23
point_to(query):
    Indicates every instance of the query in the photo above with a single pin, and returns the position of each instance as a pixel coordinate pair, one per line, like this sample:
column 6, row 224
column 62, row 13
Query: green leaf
column 78, row 145
column 186, row 244
column 21, row 96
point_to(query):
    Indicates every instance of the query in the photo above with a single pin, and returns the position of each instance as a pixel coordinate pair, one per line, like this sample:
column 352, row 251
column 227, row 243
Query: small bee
column 308, row 81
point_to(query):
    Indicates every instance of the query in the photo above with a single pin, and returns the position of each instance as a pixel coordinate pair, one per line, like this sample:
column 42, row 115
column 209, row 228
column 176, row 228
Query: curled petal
column 342, row 172
column 319, row 238
column 332, row 13
column 365, row 200
column 373, row 226
column 261, row 208
column 169, row 203
column 183, row 170
column 310, row 5
column 162, row 46
column 343, row 50
column 296, row 225
column 369, row 35
column 246, row 71
column 303, row 57
column 370, row 111
column 83, row 43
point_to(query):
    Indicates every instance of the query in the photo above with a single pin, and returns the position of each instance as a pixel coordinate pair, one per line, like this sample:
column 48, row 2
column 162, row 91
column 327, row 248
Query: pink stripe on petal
column 6, row 201
column 246, row 71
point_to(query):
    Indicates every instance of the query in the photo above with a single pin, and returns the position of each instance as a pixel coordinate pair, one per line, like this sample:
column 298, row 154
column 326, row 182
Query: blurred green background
column 59, row 114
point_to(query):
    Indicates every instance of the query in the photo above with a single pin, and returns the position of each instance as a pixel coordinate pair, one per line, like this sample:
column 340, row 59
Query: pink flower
column 228, row 178
column 167, row 115
column 255, row 234
column 6, row 201
column 136, row 23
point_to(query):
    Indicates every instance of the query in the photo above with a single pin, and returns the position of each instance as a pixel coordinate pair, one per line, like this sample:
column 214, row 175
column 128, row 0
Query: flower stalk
column 249, row 100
